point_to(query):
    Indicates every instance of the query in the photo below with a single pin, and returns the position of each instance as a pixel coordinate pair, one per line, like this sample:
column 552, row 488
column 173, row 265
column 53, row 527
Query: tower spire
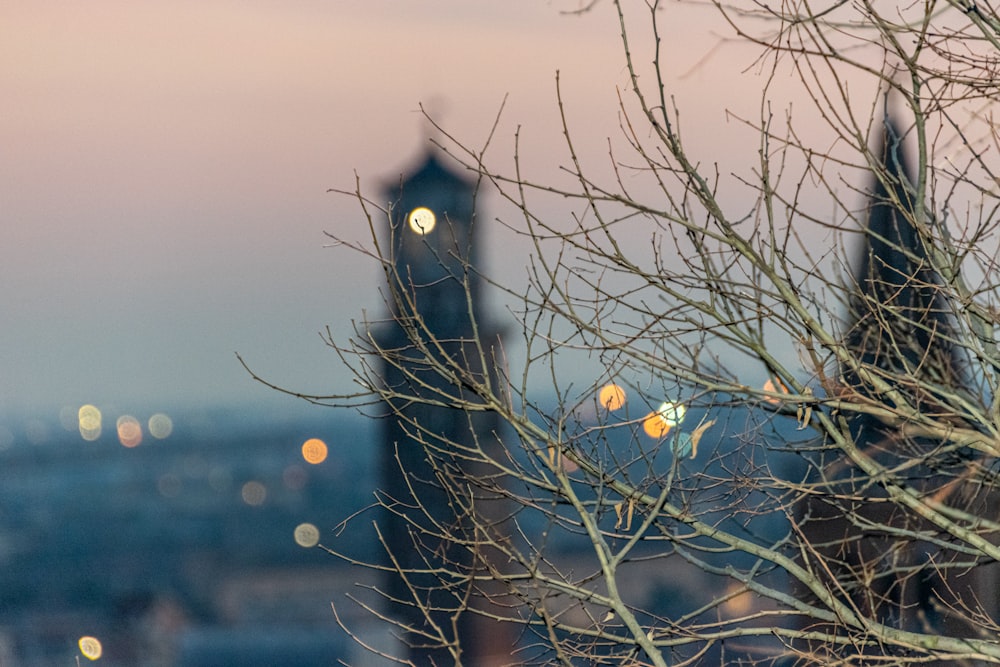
column 901, row 331
column 900, row 322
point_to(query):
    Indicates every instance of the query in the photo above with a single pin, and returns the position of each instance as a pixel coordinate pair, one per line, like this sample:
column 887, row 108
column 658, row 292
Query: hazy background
column 165, row 165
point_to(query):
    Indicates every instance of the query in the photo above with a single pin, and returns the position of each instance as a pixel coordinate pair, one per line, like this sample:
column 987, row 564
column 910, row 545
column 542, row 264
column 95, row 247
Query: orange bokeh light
column 129, row 431
column 774, row 386
column 655, row 425
column 314, row 451
column 611, row 396
column 668, row 415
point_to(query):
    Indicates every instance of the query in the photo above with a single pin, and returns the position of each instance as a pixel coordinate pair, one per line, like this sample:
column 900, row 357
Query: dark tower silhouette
column 890, row 564
column 436, row 313
column 901, row 323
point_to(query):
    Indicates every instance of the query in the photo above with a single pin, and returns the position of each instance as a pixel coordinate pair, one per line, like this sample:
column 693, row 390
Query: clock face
column 421, row 220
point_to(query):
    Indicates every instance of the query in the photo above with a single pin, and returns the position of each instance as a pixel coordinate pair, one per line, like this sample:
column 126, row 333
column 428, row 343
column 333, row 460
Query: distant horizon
column 278, row 409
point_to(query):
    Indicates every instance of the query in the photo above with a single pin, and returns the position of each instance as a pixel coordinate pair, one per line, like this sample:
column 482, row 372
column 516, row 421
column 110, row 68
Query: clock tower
column 433, row 450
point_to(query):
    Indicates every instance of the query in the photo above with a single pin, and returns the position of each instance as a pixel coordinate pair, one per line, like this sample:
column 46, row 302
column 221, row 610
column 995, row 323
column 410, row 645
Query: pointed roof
column 429, row 174
column 899, row 311
column 901, row 322
column 894, row 253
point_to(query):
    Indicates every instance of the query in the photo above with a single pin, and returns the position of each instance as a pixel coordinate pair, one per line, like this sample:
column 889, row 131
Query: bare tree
column 785, row 452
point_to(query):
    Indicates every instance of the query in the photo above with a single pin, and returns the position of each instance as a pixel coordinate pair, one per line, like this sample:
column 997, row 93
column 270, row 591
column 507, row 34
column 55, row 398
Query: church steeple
column 900, row 319
column 901, row 330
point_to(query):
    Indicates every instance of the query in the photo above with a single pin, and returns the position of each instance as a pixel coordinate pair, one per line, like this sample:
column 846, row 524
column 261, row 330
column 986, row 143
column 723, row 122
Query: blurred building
column 160, row 552
column 890, row 564
column 436, row 313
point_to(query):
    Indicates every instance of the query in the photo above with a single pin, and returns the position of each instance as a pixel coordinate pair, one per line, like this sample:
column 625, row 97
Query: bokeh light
column 129, row 431
column 90, row 647
column 655, row 426
column 160, row 426
column 658, row 424
column 569, row 466
column 612, row 397
column 314, row 451
column 306, row 535
column 89, row 422
column 774, row 386
column 422, row 220
column 672, row 413
column 254, row 493
column 739, row 601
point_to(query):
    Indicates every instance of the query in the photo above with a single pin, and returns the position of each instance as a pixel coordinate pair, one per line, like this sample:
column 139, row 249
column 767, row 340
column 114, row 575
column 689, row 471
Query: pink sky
column 165, row 165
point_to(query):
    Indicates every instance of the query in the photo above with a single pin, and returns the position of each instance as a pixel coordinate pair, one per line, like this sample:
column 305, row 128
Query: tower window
column 422, row 220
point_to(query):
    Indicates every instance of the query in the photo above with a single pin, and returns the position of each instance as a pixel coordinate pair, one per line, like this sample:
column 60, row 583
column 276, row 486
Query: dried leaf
column 631, row 511
column 696, row 436
column 618, row 511
column 804, row 414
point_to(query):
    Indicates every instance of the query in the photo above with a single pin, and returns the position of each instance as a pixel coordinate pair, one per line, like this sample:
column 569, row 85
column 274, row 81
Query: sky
column 165, row 171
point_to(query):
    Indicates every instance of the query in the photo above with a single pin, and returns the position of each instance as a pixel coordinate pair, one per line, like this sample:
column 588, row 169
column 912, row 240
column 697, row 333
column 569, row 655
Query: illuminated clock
column 422, row 220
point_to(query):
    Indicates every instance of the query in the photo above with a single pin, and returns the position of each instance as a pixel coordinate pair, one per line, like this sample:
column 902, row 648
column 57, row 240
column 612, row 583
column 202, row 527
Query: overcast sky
column 165, row 166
